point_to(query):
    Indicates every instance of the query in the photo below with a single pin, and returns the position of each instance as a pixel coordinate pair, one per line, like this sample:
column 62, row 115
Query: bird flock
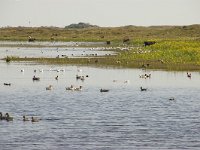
column 8, row 117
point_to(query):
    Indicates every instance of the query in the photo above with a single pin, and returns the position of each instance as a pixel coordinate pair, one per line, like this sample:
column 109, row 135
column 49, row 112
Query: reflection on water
column 123, row 118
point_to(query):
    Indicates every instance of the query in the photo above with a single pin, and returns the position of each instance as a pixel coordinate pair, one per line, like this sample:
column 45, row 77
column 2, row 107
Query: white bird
column 79, row 70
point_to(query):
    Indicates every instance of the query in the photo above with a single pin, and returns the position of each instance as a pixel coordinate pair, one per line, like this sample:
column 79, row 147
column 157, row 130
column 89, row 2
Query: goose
column 25, row 118
column 8, row 117
column 34, row 119
column 50, row 87
column 104, row 90
column 143, row 89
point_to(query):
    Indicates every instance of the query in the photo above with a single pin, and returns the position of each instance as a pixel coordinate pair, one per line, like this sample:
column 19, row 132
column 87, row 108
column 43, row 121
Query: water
column 52, row 44
column 53, row 52
column 123, row 118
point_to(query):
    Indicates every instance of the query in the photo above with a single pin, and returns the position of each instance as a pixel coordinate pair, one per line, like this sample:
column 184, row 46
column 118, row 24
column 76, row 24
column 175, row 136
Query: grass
column 115, row 34
column 176, row 48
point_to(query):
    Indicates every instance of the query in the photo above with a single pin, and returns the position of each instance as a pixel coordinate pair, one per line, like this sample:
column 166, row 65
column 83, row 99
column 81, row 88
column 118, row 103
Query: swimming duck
column 33, row 119
column 8, row 117
column 56, row 77
column 172, row 99
column 104, row 90
column 36, row 78
column 25, row 118
column 78, row 88
column 8, row 84
column 189, row 75
column 143, row 89
column 70, row 88
column 1, row 116
column 50, row 87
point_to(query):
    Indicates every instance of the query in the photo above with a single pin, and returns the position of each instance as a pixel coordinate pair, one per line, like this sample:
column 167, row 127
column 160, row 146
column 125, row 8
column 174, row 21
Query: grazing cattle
column 108, row 42
column 148, row 43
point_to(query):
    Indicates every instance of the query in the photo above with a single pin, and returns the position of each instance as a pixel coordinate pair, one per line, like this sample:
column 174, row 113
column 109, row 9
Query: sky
column 105, row 13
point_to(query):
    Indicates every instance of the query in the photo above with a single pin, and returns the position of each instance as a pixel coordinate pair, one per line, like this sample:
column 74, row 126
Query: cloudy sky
column 99, row 12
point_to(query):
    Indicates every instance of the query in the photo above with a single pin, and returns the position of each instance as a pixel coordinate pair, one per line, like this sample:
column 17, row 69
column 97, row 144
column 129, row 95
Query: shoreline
column 109, row 61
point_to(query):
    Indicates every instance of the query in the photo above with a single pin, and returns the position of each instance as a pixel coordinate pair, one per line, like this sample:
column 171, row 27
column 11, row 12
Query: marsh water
column 53, row 49
column 123, row 118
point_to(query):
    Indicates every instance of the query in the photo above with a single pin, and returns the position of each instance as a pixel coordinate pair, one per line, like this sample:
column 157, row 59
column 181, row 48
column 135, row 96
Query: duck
column 1, row 116
column 25, row 118
column 56, row 77
column 70, row 88
column 34, row 119
column 8, row 84
column 171, row 98
column 8, row 117
column 126, row 81
column 143, row 89
column 36, row 78
column 189, row 75
column 104, row 90
column 50, row 87
column 78, row 88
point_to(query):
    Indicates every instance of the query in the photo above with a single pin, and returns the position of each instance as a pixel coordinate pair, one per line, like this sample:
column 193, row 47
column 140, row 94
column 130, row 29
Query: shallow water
column 51, row 43
column 53, row 52
column 123, row 118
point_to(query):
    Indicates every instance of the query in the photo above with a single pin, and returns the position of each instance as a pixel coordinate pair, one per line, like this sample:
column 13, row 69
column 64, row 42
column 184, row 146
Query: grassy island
column 174, row 47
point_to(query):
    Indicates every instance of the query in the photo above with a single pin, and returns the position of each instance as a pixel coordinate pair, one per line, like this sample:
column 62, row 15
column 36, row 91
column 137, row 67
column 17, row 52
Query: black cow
column 148, row 43
column 108, row 42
